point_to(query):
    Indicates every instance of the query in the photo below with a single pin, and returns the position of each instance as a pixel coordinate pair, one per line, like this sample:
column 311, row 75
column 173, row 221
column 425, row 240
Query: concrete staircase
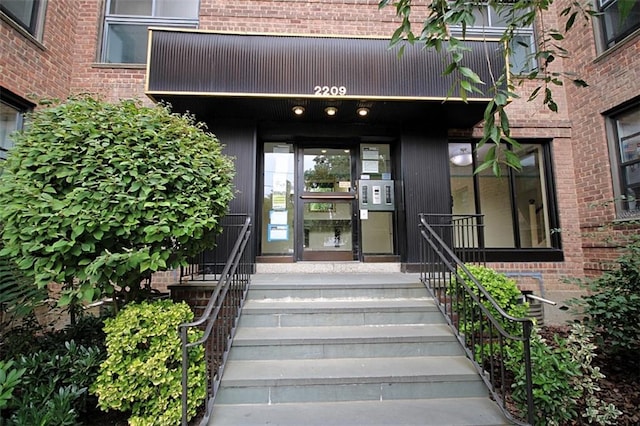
column 347, row 349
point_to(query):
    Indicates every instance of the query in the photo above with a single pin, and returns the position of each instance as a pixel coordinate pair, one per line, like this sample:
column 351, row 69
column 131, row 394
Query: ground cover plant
column 56, row 371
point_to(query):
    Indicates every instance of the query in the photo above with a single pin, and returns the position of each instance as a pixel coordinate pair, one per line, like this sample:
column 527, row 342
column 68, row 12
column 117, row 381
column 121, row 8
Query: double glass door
column 310, row 209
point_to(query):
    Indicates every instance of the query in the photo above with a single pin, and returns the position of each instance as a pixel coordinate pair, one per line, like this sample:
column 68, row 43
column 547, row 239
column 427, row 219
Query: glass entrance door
column 327, row 197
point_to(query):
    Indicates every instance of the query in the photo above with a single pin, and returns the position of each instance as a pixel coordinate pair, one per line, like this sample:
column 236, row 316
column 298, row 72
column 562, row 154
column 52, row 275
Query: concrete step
column 348, row 379
column 321, row 286
column 412, row 412
column 295, row 312
column 347, row 349
column 344, row 341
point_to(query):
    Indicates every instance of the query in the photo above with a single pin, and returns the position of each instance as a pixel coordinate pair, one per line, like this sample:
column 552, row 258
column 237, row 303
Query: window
column 27, row 14
column 626, row 135
column 489, row 23
column 126, row 23
column 518, row 207
column 277, row 209
column 619, row 19
column 12, row 109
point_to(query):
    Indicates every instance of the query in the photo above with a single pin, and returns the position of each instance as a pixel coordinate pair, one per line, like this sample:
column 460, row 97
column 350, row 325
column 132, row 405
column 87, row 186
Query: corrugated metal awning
column 212, row 65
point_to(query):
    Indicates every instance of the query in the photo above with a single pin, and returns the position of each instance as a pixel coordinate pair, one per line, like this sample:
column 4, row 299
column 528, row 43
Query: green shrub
column 50, row 409
column 9, row 380
column 506, row 294
column 53, row 390
column 553, row 369
column 563, row 376
column 98, row 196
column 143, row 370
column 612, row 305
column 29, row 336
column 503, row 290
column 18, row 294
column 583, row 350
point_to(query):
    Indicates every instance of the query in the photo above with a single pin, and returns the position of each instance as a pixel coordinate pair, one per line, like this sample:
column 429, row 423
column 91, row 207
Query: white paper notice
column 278, row 217
column 369, row 166
column 370, row 153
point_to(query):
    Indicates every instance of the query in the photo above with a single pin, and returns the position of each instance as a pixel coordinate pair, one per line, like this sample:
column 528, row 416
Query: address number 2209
column 329, row 90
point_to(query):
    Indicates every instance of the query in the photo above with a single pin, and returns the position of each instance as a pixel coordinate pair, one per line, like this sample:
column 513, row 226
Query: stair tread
column 426, row 412
column 351, row 279
column 304, row 305
column 357, row 333
column 343, row 370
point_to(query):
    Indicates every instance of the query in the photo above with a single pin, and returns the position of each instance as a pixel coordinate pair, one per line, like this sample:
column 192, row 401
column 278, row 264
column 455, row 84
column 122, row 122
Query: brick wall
column 42, row 70
column 613, row 78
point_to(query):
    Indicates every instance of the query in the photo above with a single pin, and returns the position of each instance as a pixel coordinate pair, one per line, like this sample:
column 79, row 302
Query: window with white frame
column 491, row 23
column 126, row 22
column 626, row 134
column 26, row 14
column 618, row 19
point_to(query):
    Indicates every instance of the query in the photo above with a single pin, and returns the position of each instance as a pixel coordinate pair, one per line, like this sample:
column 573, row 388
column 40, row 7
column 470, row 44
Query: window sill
column 107, row 65
column 621, row 45
column 627, row 219
column 26, row 34
column 524, row 255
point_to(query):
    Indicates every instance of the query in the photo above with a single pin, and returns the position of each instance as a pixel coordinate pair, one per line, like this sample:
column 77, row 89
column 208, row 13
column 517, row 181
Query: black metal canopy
column 263, row 76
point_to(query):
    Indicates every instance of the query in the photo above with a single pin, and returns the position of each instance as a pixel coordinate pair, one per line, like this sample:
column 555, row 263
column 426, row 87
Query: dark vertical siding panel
column 425, row 178
column 240, row 142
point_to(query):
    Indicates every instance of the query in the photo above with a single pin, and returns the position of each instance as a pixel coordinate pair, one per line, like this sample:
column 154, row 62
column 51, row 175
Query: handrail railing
column 463, row 301
column 220, row 316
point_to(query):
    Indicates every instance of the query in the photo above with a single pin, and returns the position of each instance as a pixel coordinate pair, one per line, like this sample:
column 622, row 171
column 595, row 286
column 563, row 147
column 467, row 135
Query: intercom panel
column 376, row 195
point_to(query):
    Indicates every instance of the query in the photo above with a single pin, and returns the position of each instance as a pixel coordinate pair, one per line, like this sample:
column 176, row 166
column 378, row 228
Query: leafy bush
column 18, row 295
column 612, row 305
column 54, row 389
column 503, row 290
column 143, row 369
column 554, row 395
column 506, row 294
column 98, row 196
column 9, row 379
column 563, row 375
column 580, row 345
column 51, row 409
column 29, row 336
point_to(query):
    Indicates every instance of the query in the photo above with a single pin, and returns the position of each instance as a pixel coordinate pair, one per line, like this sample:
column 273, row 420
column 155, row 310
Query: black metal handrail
column 220, row 317
column 463, row 300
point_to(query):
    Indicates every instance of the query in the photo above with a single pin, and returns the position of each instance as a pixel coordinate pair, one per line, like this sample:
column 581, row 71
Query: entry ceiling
column 453, row 114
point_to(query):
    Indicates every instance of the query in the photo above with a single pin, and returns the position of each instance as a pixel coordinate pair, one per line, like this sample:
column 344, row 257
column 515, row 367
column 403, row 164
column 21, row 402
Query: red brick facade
column 66, row 62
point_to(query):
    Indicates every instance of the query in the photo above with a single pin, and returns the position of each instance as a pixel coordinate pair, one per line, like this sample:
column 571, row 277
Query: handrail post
column 527, row 326
column 185, row 368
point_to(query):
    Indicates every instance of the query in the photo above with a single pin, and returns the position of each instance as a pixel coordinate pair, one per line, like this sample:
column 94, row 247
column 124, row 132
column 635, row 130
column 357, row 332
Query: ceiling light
column 331, row 111
column 462, row 158
column 363, row 112
column 298, row 110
